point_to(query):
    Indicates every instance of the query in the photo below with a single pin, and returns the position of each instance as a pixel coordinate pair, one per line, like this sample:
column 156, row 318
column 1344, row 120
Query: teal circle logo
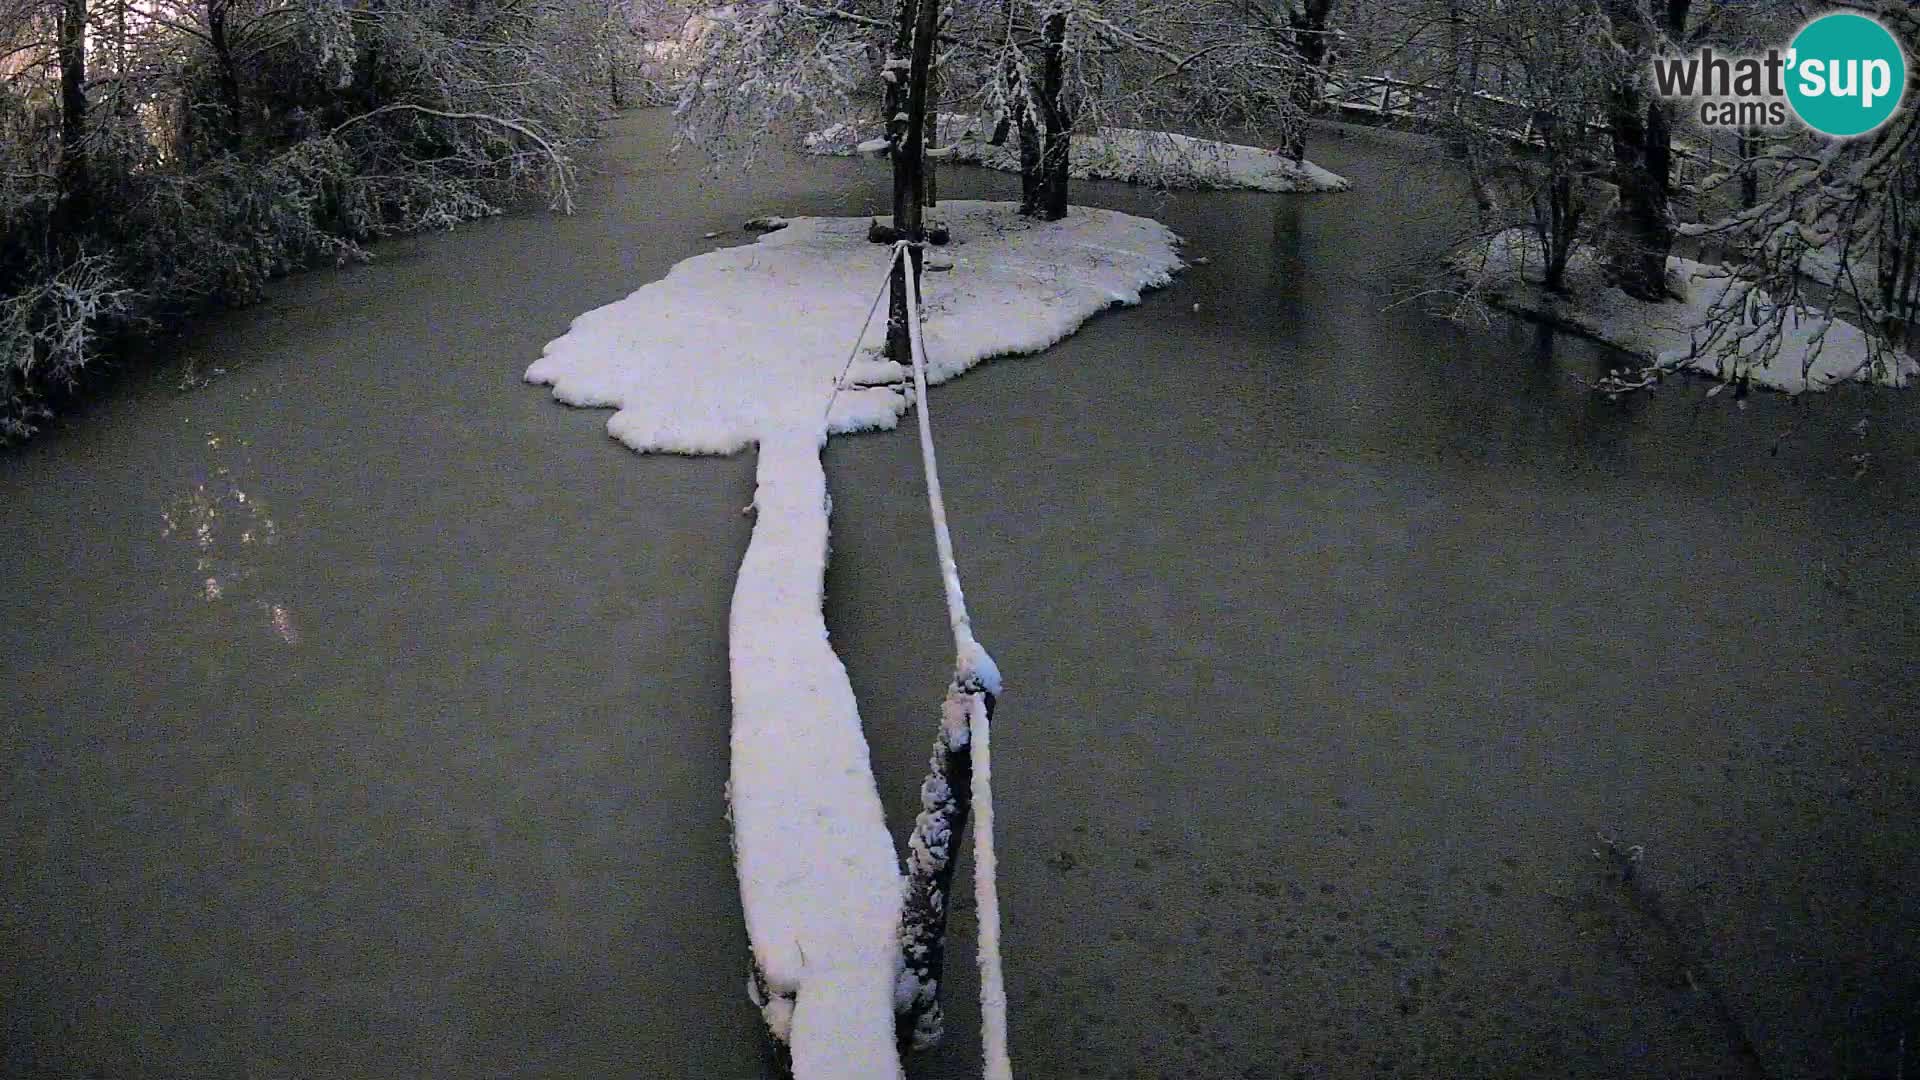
column 1846, row 74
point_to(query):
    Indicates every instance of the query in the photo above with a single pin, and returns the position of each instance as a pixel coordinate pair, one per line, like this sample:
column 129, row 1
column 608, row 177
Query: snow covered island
column 743, row 347
column 1810, row 352
column 1129, row 155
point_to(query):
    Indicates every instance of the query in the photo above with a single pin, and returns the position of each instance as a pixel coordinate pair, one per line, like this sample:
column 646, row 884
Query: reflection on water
column 225, row 526
column 280, row 617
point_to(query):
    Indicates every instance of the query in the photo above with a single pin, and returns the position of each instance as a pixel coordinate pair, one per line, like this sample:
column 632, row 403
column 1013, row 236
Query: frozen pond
column 1333, row 633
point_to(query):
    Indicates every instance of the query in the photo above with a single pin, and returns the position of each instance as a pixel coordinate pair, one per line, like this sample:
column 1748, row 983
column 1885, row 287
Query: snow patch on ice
column 1815, row 351
column 1130, row 155
column 744, row 346
column 750, row 339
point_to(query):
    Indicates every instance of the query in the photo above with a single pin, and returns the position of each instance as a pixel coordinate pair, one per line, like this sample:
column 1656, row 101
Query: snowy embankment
column 1129, row 155
column 742, row 346
column 1811, row 352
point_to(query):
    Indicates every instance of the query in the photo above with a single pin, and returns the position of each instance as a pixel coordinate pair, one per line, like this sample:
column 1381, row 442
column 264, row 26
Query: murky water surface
column 366, row 711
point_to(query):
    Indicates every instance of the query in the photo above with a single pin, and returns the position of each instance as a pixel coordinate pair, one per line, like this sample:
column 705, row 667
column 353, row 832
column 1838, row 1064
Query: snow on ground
column 1127, row 154
column 742, row 346
column 1826, row 266
column 1815, row 352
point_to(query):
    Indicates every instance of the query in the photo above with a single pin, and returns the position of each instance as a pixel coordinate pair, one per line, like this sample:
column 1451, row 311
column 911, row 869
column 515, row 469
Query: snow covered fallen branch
column 743, row 346
column 50, row 330
column 1778, row 346
column 1130, row 155
column 946, row 800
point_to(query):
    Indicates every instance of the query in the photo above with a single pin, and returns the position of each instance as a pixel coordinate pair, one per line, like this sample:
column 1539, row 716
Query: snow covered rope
column 961, row 767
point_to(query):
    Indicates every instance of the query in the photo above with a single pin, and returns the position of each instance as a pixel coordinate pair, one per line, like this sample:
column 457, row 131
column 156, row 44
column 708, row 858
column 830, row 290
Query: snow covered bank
column 1813, row 352
column 1125, row 154
column 742, row 346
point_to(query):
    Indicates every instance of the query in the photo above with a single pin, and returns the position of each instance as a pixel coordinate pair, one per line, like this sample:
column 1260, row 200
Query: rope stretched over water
column 986, row 899
column 993, row 990
column 943, row 541
column 854, row 352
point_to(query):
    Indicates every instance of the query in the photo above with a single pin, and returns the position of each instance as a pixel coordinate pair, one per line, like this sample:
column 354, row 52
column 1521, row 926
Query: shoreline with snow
column 743, row 347
column 1814, row 351
column 1127, row 155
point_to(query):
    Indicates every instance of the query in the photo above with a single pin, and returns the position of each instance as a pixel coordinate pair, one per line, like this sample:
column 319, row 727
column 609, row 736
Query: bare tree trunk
column 75, row 179
column 1642, row 236
column 1463, row 71
column 122, row 90
column 1899, row 255
column 930, row 175
column 1642, row 136
column 1056, row 152
column 1030, row 186
column 1309, row 23
column 1660, row 146
column 1749, row 172
column 1027, row 140
column 364, row 92
column 894, row 101
column 909, row 192
column 224, row 67
column 1562, row 231
column 894, row 106
column 926, row 24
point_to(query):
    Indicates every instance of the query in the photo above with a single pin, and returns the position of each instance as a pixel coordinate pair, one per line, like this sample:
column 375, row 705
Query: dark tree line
column 159, row 157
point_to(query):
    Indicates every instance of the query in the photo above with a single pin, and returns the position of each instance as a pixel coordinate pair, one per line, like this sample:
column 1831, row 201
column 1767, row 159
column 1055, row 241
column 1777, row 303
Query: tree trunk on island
column 1029, row 166
column 919, row 83
column 1027, row 140
column 908, row 138
column 1056, row 150
column 894, row 102
column 894, row 99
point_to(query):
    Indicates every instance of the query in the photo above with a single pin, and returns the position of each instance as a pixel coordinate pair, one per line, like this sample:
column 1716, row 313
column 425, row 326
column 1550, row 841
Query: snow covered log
column 818, row 876
column 932, row 850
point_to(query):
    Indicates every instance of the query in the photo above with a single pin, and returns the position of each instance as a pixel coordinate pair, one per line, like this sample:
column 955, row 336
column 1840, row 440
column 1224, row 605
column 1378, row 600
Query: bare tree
column 76, row 182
